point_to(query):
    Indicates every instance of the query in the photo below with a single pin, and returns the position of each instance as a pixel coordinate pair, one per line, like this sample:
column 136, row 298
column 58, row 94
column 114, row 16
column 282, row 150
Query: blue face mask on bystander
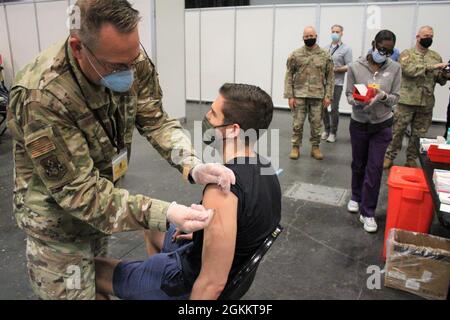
column 378, row 57
column 335, row 37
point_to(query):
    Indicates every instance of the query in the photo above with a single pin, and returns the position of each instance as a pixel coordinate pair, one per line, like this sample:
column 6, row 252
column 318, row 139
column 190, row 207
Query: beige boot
column 387, row 163
column 295, row 153
column 316, row 154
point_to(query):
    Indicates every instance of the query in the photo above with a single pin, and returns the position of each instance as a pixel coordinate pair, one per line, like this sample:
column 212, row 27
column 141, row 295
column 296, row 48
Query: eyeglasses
column 114, row 67
column 385, row 52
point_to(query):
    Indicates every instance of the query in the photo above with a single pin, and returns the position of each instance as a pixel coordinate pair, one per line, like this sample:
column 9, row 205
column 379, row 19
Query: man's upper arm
column 219, row 238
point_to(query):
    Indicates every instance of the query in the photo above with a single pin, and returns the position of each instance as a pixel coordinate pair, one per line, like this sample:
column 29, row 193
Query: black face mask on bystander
column 310, row 42
column 426, row 42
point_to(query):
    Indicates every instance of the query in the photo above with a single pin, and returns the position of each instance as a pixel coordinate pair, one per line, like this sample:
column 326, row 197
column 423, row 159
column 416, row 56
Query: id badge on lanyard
column 120, row 164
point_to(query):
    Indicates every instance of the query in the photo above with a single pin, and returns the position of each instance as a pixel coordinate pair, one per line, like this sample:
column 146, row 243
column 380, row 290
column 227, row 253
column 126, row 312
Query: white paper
column 362, row 89
column 444, row 146
column 412, row 284
column 397, row 275
column 444, row 207
column 427, row 276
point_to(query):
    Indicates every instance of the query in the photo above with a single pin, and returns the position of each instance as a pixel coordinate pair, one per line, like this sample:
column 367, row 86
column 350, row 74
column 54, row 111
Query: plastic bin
column 410, row 206
column 439, row 153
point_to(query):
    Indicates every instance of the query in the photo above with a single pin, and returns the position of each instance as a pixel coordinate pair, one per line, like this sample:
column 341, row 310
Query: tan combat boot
column 316, row 154
column 411, row 163
column 387, row 163
column 295, row 153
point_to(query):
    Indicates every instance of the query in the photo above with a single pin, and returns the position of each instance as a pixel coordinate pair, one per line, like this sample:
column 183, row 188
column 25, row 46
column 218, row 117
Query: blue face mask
column 377, row 57
column 335, row 37
column 119, row 81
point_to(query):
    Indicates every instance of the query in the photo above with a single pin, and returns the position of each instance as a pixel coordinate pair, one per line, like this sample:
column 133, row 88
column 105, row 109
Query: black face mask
column 208, row 131
column 426, row 42
column 310, row 42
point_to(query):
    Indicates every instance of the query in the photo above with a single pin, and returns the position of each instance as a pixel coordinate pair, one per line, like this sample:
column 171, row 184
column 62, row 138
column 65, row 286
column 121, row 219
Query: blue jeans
column 158, row 278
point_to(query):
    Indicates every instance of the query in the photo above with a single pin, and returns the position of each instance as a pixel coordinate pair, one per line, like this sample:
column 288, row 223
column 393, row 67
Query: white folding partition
column 170, row 55
column 289, row 23
column 51, row 19
column 5, row 49
column 23, row 33
column 254, row 43
column 217, row 50
column 251, row 44
column 146, row 25
column 192, row 34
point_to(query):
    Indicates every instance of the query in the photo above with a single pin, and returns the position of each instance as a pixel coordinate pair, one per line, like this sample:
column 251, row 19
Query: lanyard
column 334, row 50
column 94, row 111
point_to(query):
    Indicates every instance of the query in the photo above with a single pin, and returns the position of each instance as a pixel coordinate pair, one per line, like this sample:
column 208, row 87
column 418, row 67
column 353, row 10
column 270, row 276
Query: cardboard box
column 418, row 263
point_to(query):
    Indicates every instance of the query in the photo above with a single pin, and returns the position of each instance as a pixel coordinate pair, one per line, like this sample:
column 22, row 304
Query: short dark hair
column 95, row 13
column 247, row 105
column 338, row 26
column 385, row 35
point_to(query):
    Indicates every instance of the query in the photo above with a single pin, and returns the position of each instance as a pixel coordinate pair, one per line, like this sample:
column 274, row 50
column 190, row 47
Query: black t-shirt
column 258, row 214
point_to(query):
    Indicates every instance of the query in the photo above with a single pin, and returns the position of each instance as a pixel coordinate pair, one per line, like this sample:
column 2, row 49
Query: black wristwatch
column 190, row 179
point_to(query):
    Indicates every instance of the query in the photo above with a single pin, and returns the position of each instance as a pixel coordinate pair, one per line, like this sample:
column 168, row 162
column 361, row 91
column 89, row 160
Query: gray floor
column 322, row 254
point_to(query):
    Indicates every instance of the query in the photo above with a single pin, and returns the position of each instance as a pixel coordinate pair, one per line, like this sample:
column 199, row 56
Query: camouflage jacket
column 418, row 78
column 62, row 153
column 309, row 74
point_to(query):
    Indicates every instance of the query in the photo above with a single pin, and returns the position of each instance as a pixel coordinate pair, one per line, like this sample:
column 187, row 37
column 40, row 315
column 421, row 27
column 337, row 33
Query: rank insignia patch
column 53, row 168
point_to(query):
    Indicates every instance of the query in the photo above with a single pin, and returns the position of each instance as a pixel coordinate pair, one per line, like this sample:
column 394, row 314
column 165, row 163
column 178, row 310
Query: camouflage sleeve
column 410, row 67
column 329, row 78
column 394, row 95
column 61, row 160
column 439, row 75
column 441, row 78
column 289, row 78
column 166, row 135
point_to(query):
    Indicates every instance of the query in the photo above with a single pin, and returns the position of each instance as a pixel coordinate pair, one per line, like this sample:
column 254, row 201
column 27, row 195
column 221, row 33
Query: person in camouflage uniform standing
column 308, row 86
column 72, row 115
column 422, row 68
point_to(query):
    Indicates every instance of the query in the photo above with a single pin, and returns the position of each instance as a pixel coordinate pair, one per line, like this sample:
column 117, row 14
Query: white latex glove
column 213, row 173
column 189, row 219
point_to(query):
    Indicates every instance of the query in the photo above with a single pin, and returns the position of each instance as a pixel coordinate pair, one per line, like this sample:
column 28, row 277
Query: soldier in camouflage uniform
column 309, row 87
column 422, row 68
column 69, row 120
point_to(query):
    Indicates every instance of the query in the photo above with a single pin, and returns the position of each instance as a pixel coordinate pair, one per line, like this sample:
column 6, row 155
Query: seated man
column 243, row 218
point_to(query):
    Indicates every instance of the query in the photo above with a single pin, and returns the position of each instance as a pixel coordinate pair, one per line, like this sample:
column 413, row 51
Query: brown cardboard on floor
column 418, row 263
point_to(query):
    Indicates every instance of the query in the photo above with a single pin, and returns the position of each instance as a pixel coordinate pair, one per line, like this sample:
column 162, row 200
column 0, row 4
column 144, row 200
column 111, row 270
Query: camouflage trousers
column 419, row 118
column 313, row 108
column 63, row 271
